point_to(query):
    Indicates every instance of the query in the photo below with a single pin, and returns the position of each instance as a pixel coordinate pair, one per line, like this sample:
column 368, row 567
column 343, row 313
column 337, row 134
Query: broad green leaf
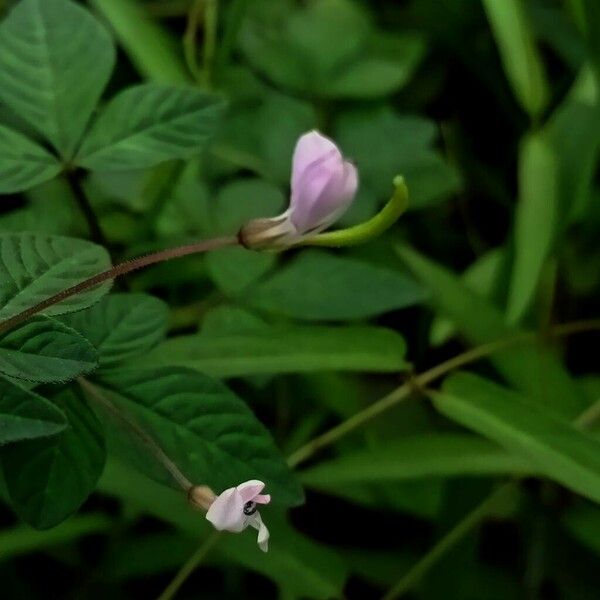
column 49, row 479
column 35, row 266
column 122, row 326
column 45, row 351
column 284, row 350
column 522, row 63
column 530, row 367
column 55, row 60
column 23, row 164
column 536, row 221
column 317, row 286
column 414, row 457
column 154, row 53
column 294, row 561
column 561, row 452
column 22, row 540
column 384, row 144
column 203, row 427
column 148, row 124
column 25, row 415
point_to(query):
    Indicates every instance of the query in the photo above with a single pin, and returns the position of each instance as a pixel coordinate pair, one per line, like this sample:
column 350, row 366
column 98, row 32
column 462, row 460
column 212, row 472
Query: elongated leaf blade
column 46, row 351
column 528, row 366
column 205, row 429
column 23, row 164
column 285, row 350
column 148, row 124
column 562, row 452
column 26, row 415
column 55, row 59
column 48, row 480
column 35, row 266
column 122, row 326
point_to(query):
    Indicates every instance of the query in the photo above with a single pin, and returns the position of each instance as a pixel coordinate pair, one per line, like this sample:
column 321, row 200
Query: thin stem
column 457, row 533
column 190, row 38
column 118, row 271
column 189, row 567
column 211, row 17
column 74, row 180
column 95, row 394
column 423, row 380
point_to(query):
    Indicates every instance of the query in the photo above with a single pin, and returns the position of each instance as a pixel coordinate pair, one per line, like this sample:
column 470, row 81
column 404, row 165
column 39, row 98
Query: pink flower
column 324, row 185
column 236, row 508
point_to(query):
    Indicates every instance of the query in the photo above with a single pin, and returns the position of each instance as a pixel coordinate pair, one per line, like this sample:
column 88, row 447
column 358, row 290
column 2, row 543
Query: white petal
column 250, row 489
column 226, row 513
column 263, row 533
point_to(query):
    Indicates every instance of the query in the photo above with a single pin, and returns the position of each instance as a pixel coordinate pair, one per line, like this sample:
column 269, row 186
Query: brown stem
column 118, row 271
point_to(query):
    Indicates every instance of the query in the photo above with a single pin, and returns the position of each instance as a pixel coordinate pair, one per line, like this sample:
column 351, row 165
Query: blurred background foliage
column 491, row 111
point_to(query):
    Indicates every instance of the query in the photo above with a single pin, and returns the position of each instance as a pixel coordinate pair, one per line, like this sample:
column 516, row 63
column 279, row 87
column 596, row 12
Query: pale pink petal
column 263, row 533
column 226, row 513
column 310, row 147
column 250, row 489
column 262, row 499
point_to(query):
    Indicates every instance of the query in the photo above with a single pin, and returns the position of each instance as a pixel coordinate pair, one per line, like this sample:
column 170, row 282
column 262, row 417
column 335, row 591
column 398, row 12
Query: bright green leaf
column 25, row 415
column 148, row 124
column 210, row 434
column 284, row 350
column 35, row 266
column 535, row 370
column 23, row 164
column 122, row 326
column 317, row 285
column 48, row 480
column 45, row 351
column 562, row 453
column 55, row 60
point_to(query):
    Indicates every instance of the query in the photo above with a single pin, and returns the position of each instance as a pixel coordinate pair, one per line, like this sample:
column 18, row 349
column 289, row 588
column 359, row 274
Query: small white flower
column 236, row 508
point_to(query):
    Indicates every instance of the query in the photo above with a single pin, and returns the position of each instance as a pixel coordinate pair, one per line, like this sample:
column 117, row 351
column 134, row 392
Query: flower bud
column 323, row 186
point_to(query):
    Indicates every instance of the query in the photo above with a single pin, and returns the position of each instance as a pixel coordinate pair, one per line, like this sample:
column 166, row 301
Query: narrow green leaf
column 45, row 351
column 55, row 59
column 417, row 456
column 23, row 164
column 562, row 453
column 35, row 266
column 203, row 427
column 530, row 367
column 154, row 53
column 522, row 63
column 48, row 480
column 317, row 285
column 122, row 326
column 26, row 415
column 536, row 221
column 148, row 124
column 284, row 350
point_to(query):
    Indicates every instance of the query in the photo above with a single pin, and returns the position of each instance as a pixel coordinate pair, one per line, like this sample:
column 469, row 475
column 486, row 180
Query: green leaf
column 530, row 367
column 34, row 267
column 122, row 326
column 154, row 53
column 210, row 434
column 560, row 451
column 284, row 350
column 23, row 164
column 321, row 286
column 55, row 60
column 148, row 124
column 417, row 456
column 536, row 221
column 45, row 351
column 522, row 63
column 26, row 415
column 48, row 480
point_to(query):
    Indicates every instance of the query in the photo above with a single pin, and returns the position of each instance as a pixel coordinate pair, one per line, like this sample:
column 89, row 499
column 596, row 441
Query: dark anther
column 249, row 508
